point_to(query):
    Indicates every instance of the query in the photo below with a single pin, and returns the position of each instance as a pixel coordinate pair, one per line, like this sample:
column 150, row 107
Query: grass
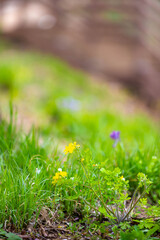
column 66, row 108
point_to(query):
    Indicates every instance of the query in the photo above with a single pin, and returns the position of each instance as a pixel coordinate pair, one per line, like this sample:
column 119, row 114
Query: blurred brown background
column 118, row 40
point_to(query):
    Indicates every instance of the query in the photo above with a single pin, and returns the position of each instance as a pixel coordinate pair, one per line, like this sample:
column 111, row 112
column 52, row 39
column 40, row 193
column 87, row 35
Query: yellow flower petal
column 122, row 178
column 63, row 174
column 71, row 147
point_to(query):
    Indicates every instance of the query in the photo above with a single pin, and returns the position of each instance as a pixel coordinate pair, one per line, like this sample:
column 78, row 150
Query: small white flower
column 72, row 178
column 154, row 157
column 38, row 171
column 122, row 178
column 60, row 169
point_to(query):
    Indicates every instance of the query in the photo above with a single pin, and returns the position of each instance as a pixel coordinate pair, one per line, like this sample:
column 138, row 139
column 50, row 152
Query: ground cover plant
column 90, row 170
column 71, row 184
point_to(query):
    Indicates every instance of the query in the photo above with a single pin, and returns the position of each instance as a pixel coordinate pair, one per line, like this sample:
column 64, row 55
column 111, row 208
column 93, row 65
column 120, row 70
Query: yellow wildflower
column 58, row 176
column 63, row 174
column 70, row 148
column 82, row 159
column 95, row 165
column 122, row 178
column 76, row 145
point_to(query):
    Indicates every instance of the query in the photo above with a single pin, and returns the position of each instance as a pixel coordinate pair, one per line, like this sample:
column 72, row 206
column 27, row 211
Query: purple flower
column 115, row 135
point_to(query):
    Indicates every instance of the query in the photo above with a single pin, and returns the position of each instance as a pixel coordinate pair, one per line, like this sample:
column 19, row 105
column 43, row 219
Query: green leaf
column 102, row 210
column 72, row 197
column 2, row 232
column 12, row 236
column 135, row 234
column 152, row 231
column 103, row 170
column 9, row 236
